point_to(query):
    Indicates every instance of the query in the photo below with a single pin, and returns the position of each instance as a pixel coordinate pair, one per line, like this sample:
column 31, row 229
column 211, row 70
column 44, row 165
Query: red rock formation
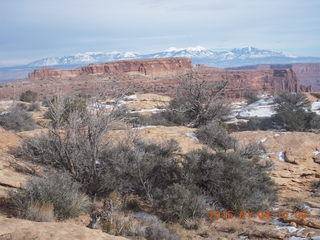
column 150, row 75
column 308, row 74
column 150, row 67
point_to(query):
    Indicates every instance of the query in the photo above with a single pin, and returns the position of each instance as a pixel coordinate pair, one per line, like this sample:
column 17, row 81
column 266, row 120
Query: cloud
column 41, row 28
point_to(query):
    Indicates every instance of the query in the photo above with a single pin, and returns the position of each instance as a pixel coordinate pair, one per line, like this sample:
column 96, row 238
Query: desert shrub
column 316, row 188
column 34, row 107
column 74, row 142
column 141, row 168
column 40, row 212
column 17, row 119
column 119, row 225
column 231, row 180
column 21, row 106
column 154, row 229
column 197, row 102
column 315, row 122
column 260, row 124
column 215, row 136
column 60, row 109
column 251, row 97
column 293, row 111
column 28, row 96
column 182, row 202
column 59, row 190
column 137, row 119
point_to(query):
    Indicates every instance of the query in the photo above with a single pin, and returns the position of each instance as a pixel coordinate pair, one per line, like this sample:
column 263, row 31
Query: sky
column 34, row 29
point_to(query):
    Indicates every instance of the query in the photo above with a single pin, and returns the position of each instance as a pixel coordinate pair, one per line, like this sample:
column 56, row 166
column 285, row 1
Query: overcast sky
column 33, row 29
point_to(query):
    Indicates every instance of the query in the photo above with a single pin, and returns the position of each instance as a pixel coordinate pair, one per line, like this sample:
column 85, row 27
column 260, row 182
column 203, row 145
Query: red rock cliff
column 165, row 66
column 150, row 75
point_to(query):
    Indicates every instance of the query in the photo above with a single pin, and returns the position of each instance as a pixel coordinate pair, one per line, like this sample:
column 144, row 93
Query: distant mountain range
column 217, row 58
column 199, row 55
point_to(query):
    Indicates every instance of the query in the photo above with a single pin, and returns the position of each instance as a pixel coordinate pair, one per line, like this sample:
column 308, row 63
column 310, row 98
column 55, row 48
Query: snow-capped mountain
column 84, row 59
column 217, row 58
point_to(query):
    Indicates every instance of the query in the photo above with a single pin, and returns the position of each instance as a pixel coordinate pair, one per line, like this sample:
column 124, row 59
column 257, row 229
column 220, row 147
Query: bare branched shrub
column 59, row 190
column 198, row 102
column 74, row 142
column 215, row 136
column 17, row 119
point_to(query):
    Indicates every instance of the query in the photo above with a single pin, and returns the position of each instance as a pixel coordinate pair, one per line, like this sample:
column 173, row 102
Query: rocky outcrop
column 262, row 81
column 145, row 67
column 308, row 74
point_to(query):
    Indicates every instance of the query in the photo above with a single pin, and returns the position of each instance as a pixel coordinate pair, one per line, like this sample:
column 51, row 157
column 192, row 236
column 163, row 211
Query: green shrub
column 215, row 137
column 34, row 107
column 153, row 229
column 59, row 190
column 17, row 119
column 260, row 124
column 28, row 96
column 293, row 111
column 315, row 122
column 251, row 97
column 182, row 202
column 231, row 180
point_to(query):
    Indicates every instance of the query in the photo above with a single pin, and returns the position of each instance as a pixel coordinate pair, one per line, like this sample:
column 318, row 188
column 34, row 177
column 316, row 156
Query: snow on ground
column 315, row 107
column 144, row 127
column 152, row 110
column 192, row 135
column 286, row 226
column 282, row 156
column 261, row 108
column 263, row 140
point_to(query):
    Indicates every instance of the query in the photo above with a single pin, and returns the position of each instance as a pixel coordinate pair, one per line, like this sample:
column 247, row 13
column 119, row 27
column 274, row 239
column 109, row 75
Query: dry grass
column 40, row 212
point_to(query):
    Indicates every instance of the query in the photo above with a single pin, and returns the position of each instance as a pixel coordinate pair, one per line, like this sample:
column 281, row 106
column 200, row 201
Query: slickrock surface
column 18, row 229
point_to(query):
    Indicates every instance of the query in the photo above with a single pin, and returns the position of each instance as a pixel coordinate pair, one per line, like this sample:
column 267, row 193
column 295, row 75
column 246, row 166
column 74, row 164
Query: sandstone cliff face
column 147, row 76
column 262, row 81
column 308, row 74
column 144, row 67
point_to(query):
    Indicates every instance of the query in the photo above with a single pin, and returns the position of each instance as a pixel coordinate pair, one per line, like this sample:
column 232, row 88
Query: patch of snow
column 192, row 135
column 263, row 140
column 290, row 229
column 282, row 156
column 144, row 127
column 152, row 110
column 277, row 135
column 276, row 221
column 235, row 120
column 315, row 238
column 243, row 237
column 132, row 97
column 297, row 238
column 315, row 107
column 264, row 156
column 316, row 153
